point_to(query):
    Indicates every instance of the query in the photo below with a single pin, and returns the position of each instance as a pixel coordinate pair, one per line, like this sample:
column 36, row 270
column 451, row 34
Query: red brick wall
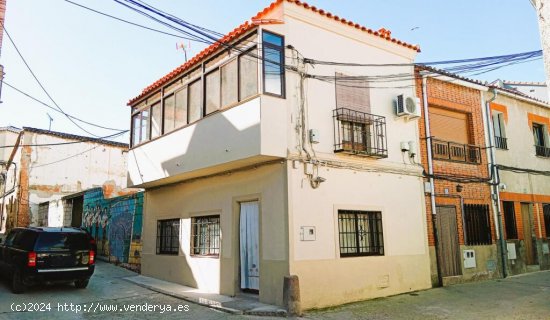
column 455, row 97
column 23, row 210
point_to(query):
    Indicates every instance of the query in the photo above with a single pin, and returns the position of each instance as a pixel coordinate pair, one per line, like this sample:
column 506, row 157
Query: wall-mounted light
column 459, row 188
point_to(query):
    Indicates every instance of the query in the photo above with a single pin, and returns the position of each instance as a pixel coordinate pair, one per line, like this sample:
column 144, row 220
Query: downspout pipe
column 495, row 194
column 431, row 173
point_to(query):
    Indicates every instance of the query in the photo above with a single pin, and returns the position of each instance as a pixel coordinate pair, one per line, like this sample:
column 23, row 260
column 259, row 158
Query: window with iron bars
column 360, row 233
column 477, row 225
column 360, row 133
column 168, row 236
column 205, row 236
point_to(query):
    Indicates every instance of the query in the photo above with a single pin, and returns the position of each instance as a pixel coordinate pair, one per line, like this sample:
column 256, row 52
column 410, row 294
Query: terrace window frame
column 281, row 50
column 196, row 74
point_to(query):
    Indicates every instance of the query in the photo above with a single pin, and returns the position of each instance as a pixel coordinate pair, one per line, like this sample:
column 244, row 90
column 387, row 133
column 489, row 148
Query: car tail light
column 92, row 257
column 31, row 262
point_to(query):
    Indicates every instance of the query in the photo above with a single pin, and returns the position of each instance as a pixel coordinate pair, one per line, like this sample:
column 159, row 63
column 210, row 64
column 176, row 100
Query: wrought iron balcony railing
column 452, row 151
column 360, row 133
column 542, row 151
column 501, row 143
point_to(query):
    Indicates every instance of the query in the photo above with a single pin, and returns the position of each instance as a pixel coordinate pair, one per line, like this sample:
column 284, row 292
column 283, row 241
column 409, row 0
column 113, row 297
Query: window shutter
column 352, row 94
column 449, row 125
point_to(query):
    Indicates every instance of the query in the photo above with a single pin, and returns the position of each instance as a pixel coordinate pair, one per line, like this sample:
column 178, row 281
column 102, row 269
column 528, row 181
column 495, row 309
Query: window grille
column 477, row 224
column 360, row 233
column 168, row 236
column 205, row 236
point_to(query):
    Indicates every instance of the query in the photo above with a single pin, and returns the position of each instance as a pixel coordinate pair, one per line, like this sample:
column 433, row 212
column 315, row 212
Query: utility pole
column 542, row 7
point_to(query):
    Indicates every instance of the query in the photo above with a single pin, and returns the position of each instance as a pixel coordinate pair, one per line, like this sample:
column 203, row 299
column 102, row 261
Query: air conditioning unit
column 408, row 107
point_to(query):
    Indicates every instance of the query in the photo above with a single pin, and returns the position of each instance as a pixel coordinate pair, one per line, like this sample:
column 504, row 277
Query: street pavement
column 107, row 290
column 522, row 297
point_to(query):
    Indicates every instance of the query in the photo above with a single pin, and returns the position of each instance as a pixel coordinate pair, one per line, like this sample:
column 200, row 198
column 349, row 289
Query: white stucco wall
column 521, row 150
column 58, row 170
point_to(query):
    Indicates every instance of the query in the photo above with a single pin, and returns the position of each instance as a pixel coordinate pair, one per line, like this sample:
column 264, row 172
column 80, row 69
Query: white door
column 250, row 246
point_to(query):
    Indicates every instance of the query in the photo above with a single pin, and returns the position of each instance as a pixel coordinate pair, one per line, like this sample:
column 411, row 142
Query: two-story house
column 259, row 163
column 519, row 126
column 460, row 214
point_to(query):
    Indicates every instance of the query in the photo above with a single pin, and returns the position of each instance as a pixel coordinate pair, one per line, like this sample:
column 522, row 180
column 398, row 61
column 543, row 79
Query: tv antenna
column 51, row 119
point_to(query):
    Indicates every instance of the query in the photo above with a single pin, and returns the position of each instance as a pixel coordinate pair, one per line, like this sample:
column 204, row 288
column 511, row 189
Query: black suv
column 37, row 255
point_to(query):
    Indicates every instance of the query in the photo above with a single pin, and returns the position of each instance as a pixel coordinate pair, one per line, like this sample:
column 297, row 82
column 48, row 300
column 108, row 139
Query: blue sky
column 92, row 65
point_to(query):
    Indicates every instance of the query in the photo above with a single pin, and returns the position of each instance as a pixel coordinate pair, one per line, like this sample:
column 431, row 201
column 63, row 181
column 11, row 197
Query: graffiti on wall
column 115, row 224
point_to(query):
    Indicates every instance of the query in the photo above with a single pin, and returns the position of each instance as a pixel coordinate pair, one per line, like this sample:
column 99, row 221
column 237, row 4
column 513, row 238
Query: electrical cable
column 40, row 83
column 128, row 22
column 86, row 139
column 54, row 109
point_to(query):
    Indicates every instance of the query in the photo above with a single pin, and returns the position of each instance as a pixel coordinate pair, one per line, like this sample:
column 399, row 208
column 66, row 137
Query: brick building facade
column 464, row 219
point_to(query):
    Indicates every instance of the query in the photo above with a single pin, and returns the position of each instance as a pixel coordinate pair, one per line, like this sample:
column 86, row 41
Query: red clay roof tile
column 243, row 28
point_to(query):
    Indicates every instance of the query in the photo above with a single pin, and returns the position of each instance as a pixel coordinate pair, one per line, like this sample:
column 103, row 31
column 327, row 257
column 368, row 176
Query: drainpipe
column 431, row 172
column 495, row 195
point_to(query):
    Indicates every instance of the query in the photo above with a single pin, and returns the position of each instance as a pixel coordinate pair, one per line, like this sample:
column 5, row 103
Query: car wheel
column 17, row 285
column 81, row 284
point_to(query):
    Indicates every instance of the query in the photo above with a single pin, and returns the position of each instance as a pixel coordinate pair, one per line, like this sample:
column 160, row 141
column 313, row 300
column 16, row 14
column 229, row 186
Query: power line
column 40, row 84
column 67, row 158
column 129, row 22
column 54, row 109
column 475, row 66
column 90, row 139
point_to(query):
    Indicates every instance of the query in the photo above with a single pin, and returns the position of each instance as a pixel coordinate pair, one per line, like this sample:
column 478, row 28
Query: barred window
column 477, row 224
column 168, row 236
column 205, row 236
column 510, row 220
column 360, row 233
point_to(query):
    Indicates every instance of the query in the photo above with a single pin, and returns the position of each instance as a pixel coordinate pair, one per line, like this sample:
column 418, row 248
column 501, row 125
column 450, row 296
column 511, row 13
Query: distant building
column 49, row 165
column 520, row 127
column 536, row 90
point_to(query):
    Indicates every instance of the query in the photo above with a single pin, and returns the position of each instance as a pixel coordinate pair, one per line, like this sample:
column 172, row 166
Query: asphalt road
column 109, row 296
column 107, row 291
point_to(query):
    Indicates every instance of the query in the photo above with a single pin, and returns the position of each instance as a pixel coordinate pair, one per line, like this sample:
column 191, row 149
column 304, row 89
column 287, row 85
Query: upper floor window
column 539, row 134
column 450, row 131
column 352, row 93
column 360, row 133
column 499, row 131
column 273, row 63
column 229, row 77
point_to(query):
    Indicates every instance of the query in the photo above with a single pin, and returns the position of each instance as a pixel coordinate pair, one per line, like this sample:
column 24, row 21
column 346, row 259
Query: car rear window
column 50, row 241
column 22, row 239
